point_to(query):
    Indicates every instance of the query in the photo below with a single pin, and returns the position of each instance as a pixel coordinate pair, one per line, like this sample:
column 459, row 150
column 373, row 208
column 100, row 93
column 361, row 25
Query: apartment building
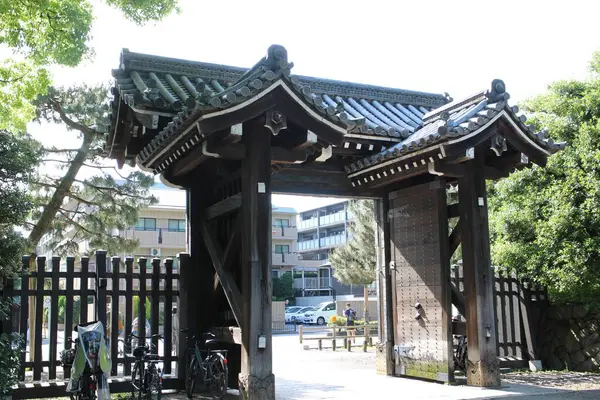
column 285, row 235
column 321, row 230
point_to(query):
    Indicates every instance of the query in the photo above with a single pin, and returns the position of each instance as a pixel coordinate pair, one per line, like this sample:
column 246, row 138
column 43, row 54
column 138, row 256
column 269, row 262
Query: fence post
column 69, row 308
column 85, row 271
column 101, row 287
column 114, row 314
column 128, row 310
column 155, row 299
column 183, row 308
column 301, row 331
column 168, row 315
column 142, row 302
column 320, row 344
column 54, row 317
column 334, row 335
column 24, row 323
column 39, row 318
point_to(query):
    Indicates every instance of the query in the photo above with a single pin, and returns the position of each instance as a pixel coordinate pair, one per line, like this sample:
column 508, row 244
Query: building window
column 146, row 224
column 177, row 225
column 275, row 273
column 282, row 248
column 279, row 222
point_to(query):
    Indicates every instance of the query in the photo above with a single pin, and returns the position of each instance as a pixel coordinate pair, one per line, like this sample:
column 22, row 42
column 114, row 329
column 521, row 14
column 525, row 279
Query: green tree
column 283, row 287
column 17, row 159
column 544, row 222
column 355, row 262
column 42, row 33
column 70, row 208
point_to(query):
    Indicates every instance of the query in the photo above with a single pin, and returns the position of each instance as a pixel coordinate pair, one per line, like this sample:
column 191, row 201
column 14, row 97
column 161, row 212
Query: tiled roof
column 459, row 118
column 166, row 85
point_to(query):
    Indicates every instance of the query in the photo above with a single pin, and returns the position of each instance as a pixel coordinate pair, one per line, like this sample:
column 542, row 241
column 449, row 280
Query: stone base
column 483, row 374
column 383, row 359
column 254, row 388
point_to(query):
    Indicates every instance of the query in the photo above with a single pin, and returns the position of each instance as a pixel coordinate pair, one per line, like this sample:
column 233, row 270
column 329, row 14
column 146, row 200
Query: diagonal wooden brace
column 220, row 261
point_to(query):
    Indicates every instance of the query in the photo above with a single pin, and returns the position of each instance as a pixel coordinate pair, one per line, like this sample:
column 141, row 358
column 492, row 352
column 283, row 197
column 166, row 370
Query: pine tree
column 355, row 262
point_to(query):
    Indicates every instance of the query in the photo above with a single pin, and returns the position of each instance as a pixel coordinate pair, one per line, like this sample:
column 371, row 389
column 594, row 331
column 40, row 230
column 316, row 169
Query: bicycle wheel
column 217, row 376
column 192, row 375
column 154, row 385
column 137, row 382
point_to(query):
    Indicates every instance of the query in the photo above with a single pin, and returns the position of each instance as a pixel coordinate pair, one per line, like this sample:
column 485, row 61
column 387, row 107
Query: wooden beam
column 231, row 251
column 453, row 210
column 311, row 139
column 483, row 369
column 449, row 170
column 525, row 306
column 256, row 377
column 224, row 206
column 232, row 292
column 454, row 239
column 495, row 174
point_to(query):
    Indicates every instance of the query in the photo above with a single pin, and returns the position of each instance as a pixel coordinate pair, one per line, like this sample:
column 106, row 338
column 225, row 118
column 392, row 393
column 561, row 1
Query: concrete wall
column 570, row 338
column 358, row 305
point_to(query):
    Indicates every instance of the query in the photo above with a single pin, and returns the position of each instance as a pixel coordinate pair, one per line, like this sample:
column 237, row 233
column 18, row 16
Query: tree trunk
column 366, row 294
column 63, row 188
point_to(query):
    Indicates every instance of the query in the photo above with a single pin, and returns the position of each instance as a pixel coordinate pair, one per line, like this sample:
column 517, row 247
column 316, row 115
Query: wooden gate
column 519, row 307
column 422, row 302
column 53, row 297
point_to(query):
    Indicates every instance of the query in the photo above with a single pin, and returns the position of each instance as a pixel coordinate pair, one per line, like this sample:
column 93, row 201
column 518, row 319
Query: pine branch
column 75, row 223
column 59, row 150
column 110, row 189
column 86, row 130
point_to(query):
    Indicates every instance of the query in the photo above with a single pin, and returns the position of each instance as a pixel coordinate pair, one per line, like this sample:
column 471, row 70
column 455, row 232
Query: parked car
column 289, row 312
column 298, row 316
column 321, row 314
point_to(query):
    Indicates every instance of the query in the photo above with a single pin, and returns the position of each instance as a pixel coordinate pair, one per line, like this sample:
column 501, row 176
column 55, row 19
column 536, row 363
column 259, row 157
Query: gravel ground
column 555, row 379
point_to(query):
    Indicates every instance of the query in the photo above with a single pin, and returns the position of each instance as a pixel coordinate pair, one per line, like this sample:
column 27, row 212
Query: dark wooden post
column 183, row 312
column 39, row 318
column 128, row 308
column 141, row 326
column 385, row 360
column 101, row 287
column 256, row 378
column 155, row 300
column 53, row 328
column 168, row 307
column 114, row 313
column 483, row 366
column 25, row 321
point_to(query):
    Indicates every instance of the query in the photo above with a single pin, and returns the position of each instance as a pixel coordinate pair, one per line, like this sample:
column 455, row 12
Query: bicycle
column 460, row 357
column 212, row 368
column 146, row 377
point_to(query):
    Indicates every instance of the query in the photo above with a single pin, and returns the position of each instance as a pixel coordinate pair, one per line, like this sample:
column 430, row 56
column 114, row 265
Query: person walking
column 350, row 315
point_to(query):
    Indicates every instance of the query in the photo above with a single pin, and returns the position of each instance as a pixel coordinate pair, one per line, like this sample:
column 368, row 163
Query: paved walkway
column 314, row 374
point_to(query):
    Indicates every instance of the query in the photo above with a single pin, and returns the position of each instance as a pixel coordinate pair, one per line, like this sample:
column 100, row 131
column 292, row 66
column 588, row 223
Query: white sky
column 436, row 46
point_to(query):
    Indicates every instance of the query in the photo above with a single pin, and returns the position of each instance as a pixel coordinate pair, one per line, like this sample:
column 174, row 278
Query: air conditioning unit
column 155, row 252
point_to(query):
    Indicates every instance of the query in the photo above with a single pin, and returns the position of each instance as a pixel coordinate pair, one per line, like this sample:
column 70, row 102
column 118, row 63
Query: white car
column 289, row 312
column 321, row 315
column 298, row 316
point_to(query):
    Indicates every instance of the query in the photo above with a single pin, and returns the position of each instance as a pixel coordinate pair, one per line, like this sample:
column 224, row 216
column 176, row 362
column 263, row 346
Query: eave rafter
column 449, row 136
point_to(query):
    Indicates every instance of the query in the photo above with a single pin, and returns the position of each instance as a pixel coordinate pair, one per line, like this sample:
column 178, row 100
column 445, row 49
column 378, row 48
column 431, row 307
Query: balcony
column 332, row 241
column 285, row 232
column 312, row 263
column 332, row 219
column 312, row 283
column 150, row 238
column 308, row 224
column 284, row 259
column 308, row 245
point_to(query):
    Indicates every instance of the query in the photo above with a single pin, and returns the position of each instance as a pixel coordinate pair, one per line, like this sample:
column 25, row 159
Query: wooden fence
column 92, row 290
column 518, row 307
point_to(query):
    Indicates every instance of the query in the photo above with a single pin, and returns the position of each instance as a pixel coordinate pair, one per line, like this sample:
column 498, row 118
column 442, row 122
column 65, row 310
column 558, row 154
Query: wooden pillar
column 385, row 361
column 483, row 366
column 256, row 380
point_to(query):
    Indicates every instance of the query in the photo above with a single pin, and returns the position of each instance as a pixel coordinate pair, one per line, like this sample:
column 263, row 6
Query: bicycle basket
column 67, row 357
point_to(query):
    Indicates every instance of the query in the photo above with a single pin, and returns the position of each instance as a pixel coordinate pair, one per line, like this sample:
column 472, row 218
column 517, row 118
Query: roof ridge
column 151, row 63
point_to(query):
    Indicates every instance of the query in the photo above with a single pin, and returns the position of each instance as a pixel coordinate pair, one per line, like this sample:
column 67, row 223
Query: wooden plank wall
column 105, row 289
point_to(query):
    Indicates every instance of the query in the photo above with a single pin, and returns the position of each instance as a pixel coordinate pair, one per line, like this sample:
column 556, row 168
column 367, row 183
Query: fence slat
column 128, row 305
column 39, row 314
column 54, row 318
column 141, row 328
column 168, row 313
column 101, row 287
column 155, row 299
column 24, row 323
column 114, row 313
column 502, row 318
column 85, row 269
column 69, row 307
